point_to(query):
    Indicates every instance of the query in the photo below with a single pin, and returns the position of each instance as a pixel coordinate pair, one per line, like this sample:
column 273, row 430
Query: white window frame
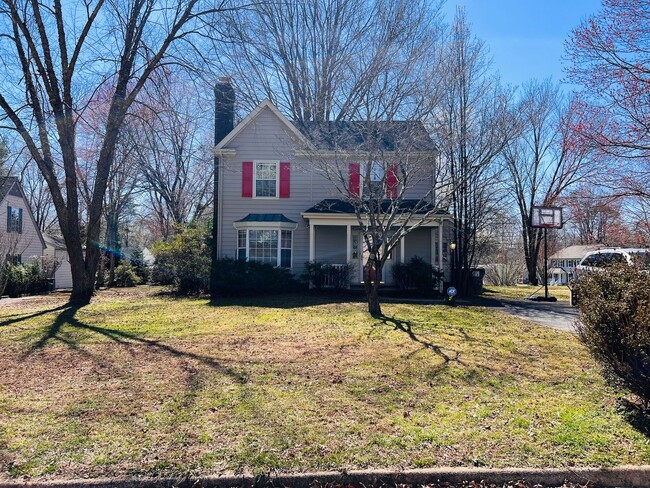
column 277, row 179
column 273, row 226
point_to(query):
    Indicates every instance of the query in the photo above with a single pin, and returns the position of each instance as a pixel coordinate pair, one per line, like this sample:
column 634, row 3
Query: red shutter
column 285, row 180
column 355, row 178
column 247, row 179
column 391, row 182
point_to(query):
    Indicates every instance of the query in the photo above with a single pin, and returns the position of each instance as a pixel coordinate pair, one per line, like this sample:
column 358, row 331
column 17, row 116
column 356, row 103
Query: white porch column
column 402, row 249
column 348, row 254
column 312, row 241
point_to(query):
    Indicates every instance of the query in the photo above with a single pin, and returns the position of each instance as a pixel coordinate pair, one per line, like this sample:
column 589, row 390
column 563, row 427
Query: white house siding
column 29, row 246
column 63, row 275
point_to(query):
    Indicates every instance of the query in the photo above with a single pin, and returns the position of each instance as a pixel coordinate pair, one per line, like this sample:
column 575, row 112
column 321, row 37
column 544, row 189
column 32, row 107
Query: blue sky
column 525, row 37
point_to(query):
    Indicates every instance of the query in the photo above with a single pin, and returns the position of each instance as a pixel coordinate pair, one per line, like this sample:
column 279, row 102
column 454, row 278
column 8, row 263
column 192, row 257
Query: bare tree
column 471, row 128
column 174, row 156
column 38, row 197
column 54, row 57
column 543, row 161
column 384, row 172
column 335, row 59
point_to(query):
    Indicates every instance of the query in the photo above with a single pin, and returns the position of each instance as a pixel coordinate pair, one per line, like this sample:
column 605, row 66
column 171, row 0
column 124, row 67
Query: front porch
column 337, row 241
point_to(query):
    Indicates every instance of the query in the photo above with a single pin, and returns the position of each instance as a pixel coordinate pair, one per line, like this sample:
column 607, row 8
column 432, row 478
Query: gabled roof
column 7, row 185
column 575, row 252
column 337, row 206
column 407, row 136
column 348, row 136
column 54, row 242
column 266, row 104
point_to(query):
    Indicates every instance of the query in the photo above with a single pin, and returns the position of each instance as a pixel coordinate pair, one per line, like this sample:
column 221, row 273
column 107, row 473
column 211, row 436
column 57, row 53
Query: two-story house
column 284, row 191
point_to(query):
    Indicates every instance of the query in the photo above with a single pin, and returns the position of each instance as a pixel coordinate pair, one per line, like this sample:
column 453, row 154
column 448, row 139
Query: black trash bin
column 476, row 282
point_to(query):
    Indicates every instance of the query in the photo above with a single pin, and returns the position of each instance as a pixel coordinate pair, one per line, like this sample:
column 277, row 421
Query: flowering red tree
column 598, row 218
column 609, row 58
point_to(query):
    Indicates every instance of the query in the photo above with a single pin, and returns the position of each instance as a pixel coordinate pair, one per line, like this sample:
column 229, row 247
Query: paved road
column 559, row 315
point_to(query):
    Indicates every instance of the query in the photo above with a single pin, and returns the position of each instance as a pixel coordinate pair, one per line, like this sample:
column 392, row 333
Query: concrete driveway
column 559, row 315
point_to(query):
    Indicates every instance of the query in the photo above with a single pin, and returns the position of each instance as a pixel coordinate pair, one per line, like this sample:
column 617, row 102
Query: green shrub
column 184, row 262
column 125, row 275
column 139, row 266
column 237, row 277
column 25, row 279
column 416, row 274
column 614, row 324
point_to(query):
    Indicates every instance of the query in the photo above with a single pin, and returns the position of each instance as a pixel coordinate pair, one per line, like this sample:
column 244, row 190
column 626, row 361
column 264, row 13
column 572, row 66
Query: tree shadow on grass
column 406, row 327
column 22, row 318
column 67, row 319
column 289, row 300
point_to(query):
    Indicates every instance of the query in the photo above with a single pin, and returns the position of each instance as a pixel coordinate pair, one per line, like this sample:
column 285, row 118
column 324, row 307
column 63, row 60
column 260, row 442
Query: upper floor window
column 266, row 179
column 379, row 180
column 14, row 220
column 376, row 175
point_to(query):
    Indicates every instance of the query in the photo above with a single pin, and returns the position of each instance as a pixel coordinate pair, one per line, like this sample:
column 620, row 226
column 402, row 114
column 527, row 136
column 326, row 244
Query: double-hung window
column 273, row 246
column 266, row 179
column 14, row 220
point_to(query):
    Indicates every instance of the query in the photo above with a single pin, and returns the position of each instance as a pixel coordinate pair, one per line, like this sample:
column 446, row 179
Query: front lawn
column 139, row 383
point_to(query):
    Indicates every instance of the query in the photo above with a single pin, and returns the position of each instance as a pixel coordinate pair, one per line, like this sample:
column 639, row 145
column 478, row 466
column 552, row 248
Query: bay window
column 273, row 246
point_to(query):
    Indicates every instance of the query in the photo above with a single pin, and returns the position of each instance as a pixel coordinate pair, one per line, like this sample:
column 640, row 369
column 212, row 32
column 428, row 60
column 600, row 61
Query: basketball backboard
column 547, row 217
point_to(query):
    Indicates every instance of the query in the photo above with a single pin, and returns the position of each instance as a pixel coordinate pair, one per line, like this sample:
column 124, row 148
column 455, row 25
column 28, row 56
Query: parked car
column 600, row 259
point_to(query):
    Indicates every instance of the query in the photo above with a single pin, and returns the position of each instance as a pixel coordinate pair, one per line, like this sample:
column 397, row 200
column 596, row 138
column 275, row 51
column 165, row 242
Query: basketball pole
column 545, row 266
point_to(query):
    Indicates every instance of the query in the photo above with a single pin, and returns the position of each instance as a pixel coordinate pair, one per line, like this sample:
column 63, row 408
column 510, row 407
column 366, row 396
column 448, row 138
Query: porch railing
column 336, row 276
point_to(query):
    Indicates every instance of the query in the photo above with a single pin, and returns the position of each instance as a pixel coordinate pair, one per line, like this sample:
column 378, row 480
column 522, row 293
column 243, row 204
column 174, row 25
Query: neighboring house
column 274, row 205
column 20, row 238
column 562, row 264
column 55, row 249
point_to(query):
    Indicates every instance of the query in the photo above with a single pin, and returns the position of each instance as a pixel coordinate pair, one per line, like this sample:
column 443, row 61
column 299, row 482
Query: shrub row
column 25, row 279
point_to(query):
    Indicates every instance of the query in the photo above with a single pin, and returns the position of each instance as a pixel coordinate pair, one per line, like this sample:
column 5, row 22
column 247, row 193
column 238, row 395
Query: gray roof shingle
column 337, row 206
column 266, row 218
column 407, row 136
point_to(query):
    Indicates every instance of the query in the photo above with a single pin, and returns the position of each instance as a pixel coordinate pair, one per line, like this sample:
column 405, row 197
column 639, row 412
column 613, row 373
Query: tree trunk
column 372, row 287
column 83, row 282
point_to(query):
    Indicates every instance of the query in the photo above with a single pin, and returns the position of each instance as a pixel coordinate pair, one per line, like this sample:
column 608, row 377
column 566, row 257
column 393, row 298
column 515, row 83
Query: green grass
column 139, row 383
column 521, row 292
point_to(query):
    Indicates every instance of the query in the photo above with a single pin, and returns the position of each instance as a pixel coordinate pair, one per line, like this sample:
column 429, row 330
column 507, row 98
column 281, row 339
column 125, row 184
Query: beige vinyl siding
column 29, row 244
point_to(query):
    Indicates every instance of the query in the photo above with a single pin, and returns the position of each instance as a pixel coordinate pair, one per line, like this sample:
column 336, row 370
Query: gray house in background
column 276, row 204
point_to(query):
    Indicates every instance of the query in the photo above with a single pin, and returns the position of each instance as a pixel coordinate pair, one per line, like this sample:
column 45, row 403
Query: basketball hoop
column 546, row 217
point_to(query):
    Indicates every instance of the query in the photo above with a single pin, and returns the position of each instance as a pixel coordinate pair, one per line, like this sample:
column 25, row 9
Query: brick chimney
column 224, row 108
column 224, row 118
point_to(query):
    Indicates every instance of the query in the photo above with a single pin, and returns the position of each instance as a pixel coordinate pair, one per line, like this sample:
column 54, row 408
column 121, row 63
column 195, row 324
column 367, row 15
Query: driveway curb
column 621, row 477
